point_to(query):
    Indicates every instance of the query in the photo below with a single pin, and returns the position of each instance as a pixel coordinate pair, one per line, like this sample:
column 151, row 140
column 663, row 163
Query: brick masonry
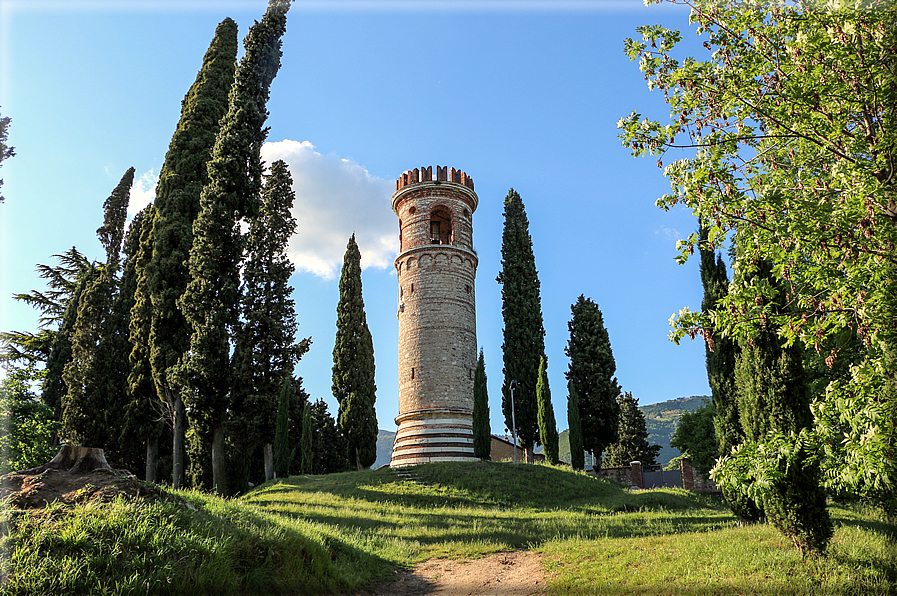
column 436, row 269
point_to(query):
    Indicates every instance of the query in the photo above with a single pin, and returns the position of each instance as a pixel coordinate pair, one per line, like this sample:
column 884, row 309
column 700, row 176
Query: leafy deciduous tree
column 27, row 426
column 790, row 127
column 695, row 436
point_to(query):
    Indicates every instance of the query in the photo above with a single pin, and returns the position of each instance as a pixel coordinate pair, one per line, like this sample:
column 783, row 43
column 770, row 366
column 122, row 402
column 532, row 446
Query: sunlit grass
column 339, row 533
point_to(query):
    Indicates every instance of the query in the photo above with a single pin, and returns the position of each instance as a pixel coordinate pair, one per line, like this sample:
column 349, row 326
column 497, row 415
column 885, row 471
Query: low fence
column 685, row 477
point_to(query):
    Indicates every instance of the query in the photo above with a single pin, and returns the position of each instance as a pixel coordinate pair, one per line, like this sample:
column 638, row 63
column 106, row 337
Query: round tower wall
column 436, row 270
column 437, row 328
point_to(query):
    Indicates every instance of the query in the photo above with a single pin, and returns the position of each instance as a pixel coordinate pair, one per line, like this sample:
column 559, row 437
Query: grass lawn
column 313, row 534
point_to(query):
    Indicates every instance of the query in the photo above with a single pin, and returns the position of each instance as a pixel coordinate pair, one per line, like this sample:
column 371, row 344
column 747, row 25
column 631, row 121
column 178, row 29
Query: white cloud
column 334, row 198
column 143, row 192
column 669, row 233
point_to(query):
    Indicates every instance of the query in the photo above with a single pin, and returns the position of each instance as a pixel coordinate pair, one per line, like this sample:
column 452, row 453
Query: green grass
column 313, row 534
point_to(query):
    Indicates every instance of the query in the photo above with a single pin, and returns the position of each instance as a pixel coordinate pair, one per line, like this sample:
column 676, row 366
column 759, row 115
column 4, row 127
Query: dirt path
column 515, row 573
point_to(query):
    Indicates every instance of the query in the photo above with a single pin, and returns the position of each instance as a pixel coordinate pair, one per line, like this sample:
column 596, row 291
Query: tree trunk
column 530, row 455
column 180, row 434
column 152, row 458
column 74, row 460
column 269, row 461
column 358, row 460
column 218, row 479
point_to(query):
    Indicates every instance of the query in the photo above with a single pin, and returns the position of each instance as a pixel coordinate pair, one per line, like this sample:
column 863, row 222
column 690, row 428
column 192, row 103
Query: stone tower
column 436, row 270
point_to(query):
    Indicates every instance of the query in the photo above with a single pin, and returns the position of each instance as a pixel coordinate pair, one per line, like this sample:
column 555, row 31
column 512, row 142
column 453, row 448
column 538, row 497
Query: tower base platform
column 436, row 435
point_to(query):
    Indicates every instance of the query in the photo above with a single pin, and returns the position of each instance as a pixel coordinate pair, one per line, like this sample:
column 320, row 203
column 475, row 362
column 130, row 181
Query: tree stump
column 74, row 460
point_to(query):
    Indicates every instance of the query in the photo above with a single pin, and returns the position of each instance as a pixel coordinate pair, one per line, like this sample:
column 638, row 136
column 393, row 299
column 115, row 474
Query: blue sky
column 517, row 94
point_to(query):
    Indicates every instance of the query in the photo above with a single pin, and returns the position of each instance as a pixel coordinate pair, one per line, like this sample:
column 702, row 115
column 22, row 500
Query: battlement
column 443, row 174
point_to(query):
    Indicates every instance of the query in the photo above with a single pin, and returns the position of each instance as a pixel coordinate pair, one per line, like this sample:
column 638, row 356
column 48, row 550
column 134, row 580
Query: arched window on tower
column 441, row 226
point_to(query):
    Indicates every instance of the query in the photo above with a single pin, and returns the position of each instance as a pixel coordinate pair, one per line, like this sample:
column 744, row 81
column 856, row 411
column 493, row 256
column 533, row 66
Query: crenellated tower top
column 443, row 174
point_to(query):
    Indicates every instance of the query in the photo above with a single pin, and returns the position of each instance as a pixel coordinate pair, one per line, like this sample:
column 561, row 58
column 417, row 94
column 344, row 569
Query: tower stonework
column 436, row 270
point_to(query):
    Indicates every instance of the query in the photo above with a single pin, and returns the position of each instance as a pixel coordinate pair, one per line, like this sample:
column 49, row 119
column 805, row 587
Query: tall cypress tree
column 353, row 365
column 591, row 374
column 482, row 434
column 90, row 408
column 524, row 334
column 181, row 180
column 774, row 397
column 265, row 352
column 720, row 350
column 142, row 414
column 211, row 300
column 632, row 442
column 548, row 431
column 282, row 451
column 5, row 150
column 307, row 441
column 577, row 452
column 129, row 445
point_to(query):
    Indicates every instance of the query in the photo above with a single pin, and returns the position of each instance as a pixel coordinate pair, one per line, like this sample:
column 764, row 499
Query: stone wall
column 633, row 475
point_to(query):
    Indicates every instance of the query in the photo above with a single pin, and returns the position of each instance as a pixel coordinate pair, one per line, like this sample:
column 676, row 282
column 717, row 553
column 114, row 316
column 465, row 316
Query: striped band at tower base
column 434, row 435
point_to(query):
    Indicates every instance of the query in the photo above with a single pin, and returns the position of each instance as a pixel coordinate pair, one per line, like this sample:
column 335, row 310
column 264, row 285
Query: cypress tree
column 524, row 334
column 774, row 397
column 5, row 150
column 591, row 374
column 308, row 455
column 482, row 434
column 183, row 175
column 211, row 300
column 720, row 350
column 353, row 365
column 129, row 445
column 721, row 354
column 282, row 430
column 577, row 452
column 265, row 352
column 632, row 442
column 90, row 408
column 328, row 443
column 548, row 431
column 143, row 412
